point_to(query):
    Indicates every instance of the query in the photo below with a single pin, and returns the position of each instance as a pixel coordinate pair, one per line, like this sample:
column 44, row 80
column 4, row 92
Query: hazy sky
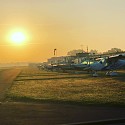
column 61, row 24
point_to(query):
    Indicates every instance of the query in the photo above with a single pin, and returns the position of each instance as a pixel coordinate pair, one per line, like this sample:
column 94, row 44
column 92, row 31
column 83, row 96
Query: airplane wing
column 114, row 62
column 116, row 57
column 113, row 59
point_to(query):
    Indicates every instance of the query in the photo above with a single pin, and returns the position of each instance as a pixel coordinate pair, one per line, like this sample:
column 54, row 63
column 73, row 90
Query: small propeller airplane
column 109, row 64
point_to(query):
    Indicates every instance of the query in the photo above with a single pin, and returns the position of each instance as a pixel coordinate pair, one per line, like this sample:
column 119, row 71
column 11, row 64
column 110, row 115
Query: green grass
column 80, row 88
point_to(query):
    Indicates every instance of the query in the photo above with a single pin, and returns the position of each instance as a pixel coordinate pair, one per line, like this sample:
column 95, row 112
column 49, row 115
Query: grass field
column 42, row 86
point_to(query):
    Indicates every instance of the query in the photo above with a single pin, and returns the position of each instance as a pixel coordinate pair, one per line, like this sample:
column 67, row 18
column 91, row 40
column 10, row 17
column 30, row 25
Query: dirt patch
column 6, row 78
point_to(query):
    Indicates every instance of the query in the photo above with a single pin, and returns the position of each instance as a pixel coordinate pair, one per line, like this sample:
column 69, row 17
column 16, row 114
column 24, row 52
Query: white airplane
column 108, row 64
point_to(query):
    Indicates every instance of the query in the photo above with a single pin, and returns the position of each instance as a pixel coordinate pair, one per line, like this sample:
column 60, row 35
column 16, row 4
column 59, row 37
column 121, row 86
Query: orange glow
column 18, row 38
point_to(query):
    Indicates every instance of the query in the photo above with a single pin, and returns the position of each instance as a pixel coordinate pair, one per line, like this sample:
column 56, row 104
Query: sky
column 62, row 24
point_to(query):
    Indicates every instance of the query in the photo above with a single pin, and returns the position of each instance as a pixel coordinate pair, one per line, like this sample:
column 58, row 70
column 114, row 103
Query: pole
column 55, row 52
column 87, row 49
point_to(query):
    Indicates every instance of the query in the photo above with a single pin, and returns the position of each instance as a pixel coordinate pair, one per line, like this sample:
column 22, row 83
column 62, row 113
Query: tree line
column 112, row 50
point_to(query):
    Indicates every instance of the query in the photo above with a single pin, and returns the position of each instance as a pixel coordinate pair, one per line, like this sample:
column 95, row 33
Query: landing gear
column 95, row 74
column 112, row 73
column 107, row 73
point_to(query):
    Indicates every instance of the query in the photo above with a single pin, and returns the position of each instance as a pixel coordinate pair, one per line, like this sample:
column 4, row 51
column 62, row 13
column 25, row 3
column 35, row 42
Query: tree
column 114, row 50
column 93, row 51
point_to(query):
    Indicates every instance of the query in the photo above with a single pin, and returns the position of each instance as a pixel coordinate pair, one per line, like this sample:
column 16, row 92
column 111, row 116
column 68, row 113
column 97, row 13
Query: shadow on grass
column 53, row 78
column 120, row 77
column 52, row 101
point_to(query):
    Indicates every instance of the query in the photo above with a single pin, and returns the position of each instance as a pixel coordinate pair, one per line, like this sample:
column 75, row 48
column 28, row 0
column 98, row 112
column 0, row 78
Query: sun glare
column 18, row 37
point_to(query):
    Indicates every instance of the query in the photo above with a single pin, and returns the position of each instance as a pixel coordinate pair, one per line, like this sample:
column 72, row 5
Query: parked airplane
column 110, row 63
column 73, row 66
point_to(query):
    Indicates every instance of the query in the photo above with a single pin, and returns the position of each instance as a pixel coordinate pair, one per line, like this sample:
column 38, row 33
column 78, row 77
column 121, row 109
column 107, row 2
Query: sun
column 18, row 37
